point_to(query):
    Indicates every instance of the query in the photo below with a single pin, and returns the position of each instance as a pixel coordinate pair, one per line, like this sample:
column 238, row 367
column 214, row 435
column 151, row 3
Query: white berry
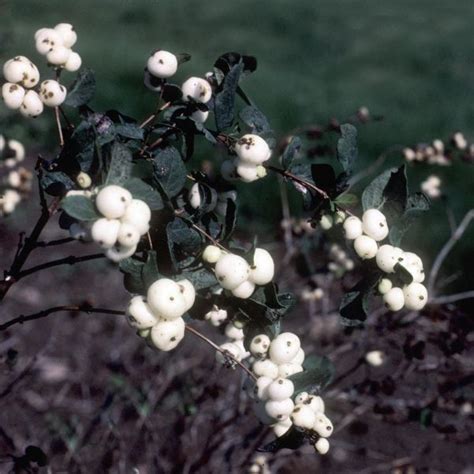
column 281, row 389
column 118, row 253
column 279, row 409
column 233, row 332
column 232, row 348
column 166, row 299
column 112, row 201
column 263, row 268
column 58, row 56
column 281, row 427
column 200, row 115
column 252, row 150
column 316, row 403
column 162, row 64
column 52, row 93
column 47, row 39
column 128, row 235
column 416, row 296
column 303, row 416
column 194, row 196
column 374, row 224
column 375, row 358
column 166, row 335
column 231, row 271
column 13, row 95
column 322, row 446
column 284, row 348
column 105, row 232
column 73, row 63
column 261, row 387
column 83, row 180
column 32, row 105
column 198, row 89
column 188, row 292
column 387, row 257
column 265, row 367
column 299, row 358
column 259, row 345
column 138, row 214
column 394, row 299
column 67, row 34
column 139, row 314
column 366, row 247
column 352, row 227
column 247, row 173
column 289, row 369
column 301, row 397
column 323, row 425
column 211, row 254
column 244, row 290
column 385, row 285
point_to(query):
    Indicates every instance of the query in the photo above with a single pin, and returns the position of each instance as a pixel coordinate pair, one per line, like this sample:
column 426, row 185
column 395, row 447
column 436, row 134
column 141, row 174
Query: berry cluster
column 340, row 261
column 125, row 221
column 56, row 44
column 159, row 317
column 252, row 151
column 235, row 344
column 22, row 75
column 216, row 316
column 17, row 181
column 274, row 391
column 259, row 465
column 366, row 234
column 327, row 221
column 431, row 186
column 235, row 274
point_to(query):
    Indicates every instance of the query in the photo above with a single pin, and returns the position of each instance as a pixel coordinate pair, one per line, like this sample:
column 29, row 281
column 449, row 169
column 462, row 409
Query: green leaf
column 317, row 375
column 372, row 197
column 291, row 152
column 255, row 119
column 132, row 270
column 402, row 274
column 347, row 200
column 224, row 102
column 129, row 130
column 182, row 239
column 230, row 220
column 120, row 166
column 347, row 146
column 56, row 183
column 80, row 207
column 83, row 89
column 294, row 438
column 145, row 192
column 150, row 272
column 201, row 278
column 169, row 171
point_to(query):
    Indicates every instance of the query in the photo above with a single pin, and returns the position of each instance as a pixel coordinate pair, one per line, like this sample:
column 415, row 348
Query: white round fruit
column 138, row 214
column 326, row 222
column 52, row 93
column 366, row 247
column 32, row 105
column 303, row 416
column 322, row 446
column 233, row 332
column 252, row 150
column 67, row 34
column 316, row 403
column 289, row 369
column 166, row 299
column 118, row 252
column 22, row 71
column 385, row 285
column 200, row 116
column 265, row 368
column 112, row 201
column 139, row 314
column 166, row 335
column 216, row 316
column 375, row 358
column 17, row 148
column 244, row 290
column 232, row 348
column 194, row 196
column 247, row 173
column 211, row 254
column 410, row 258
column 128, row 235
column 261, row 171
column 263, row 268
column 188, row 292
column 374, row 224
column 259, row 345
column 231, row 271
column 323, row 425
column 198, row 89
column 280, row 428
column 299, row 358
column 416, row 296
column 83, row 180
column 13, row 95
column 162, row 64
column 281, row 389
column 47, row 39
column 279, row 409
column 284, row 348
column 105, row 232
column 73, row 63
column 58, row 56
column 394, row 299
column 301, row 397
column 387, row 257
column 261, row 387
column 352, row 227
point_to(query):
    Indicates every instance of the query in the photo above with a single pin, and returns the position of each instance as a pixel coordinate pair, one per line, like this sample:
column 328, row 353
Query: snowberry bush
column 132, row 188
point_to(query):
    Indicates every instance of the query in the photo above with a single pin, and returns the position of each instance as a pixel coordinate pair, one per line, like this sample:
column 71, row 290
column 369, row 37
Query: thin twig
column 60, row 130
column 84, row 308
column 445, row 299
column 458, row 233
column 223, row 352
column 52, row 243
column 153, row 116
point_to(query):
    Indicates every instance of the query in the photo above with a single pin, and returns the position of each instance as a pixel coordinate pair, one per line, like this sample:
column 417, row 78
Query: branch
column 223, row 352
column 71, row 260
column 458, row 233
column 51, row 243
column 445, row 299
column 85, row 308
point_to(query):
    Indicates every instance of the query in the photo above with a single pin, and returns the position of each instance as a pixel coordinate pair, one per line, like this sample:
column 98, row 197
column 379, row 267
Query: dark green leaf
column 224, row 102
column 183, row 238
column 255, row 119
column 402, row 274
column 56, row 183
column 169, row 171
column 201, row 278
column 83, row 89
column 150, row 272
column 120, row 166
column 347, row 200
column 80, row 207
column 129, row 130
column 291, row 152
column 145, row 192
column 347, row 146
column 230, row 220
column 132, row 270
column 317, row 375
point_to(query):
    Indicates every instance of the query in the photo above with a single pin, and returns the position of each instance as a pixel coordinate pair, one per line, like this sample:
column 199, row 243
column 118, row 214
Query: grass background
column 412, row 62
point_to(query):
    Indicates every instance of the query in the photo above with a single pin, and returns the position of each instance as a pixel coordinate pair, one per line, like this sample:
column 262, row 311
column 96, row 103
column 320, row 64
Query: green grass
column 412, row 62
